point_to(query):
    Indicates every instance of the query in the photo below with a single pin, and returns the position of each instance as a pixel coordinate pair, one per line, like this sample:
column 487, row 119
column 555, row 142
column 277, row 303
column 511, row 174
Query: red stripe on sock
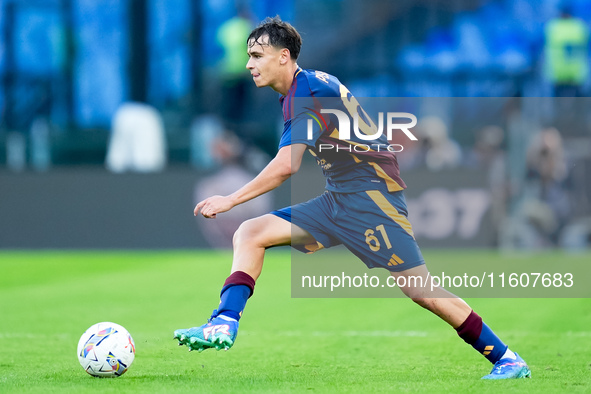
column 471, row 328
column 240, row 278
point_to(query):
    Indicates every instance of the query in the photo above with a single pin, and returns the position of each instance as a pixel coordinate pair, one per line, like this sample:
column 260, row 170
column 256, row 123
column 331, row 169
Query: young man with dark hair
column 366, row 189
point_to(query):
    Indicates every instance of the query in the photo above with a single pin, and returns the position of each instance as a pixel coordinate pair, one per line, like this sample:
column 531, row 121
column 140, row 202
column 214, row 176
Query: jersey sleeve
column 286, row 135
column 297, row 131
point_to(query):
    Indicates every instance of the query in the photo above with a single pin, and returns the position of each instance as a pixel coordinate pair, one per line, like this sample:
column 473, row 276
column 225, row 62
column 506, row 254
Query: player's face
column 264, row 62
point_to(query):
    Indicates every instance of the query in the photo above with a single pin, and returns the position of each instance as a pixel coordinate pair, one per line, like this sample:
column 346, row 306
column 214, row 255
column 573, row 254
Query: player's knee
column 245, row 232
column 249, row 232
column 417, row 295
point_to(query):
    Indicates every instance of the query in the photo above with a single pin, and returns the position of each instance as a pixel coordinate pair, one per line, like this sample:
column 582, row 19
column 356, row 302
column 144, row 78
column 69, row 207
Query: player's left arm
column 284, row 165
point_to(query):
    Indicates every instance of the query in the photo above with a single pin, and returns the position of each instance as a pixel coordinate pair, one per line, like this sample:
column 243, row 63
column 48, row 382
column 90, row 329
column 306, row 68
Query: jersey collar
column 293, row 83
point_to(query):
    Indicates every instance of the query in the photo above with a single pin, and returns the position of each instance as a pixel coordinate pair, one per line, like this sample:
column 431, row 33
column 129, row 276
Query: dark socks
column 236, row 291
column 476, row 333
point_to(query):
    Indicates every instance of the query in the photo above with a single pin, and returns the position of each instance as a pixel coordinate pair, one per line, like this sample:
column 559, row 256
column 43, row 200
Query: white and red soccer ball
column 106, row 350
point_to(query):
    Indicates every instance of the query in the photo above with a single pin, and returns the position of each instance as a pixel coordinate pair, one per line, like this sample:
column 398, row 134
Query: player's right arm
column 284, row 165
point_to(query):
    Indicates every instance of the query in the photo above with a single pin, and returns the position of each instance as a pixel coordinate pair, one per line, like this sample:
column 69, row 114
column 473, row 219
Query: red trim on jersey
column 287, row 102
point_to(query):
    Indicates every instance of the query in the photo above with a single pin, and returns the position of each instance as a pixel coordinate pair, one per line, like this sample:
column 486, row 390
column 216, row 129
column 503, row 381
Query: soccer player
column 364, row 186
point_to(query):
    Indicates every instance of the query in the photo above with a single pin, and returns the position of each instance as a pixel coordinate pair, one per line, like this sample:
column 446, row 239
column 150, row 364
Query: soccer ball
column 106, row 350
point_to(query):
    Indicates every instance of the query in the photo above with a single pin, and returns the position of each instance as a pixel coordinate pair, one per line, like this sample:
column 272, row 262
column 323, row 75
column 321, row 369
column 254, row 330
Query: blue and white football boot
column 508, row 368
column 219, row 333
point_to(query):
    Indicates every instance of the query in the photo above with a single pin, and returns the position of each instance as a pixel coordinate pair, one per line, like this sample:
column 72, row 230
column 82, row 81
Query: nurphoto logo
column 368, row 132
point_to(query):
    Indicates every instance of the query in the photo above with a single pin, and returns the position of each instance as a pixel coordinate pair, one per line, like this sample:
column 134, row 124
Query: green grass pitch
column 49, row 298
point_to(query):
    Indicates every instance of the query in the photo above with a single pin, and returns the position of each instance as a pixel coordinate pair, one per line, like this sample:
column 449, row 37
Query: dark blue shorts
column 371, row 224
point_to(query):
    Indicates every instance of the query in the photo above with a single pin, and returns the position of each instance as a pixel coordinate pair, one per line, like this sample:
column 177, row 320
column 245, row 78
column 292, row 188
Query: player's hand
column 211, row 206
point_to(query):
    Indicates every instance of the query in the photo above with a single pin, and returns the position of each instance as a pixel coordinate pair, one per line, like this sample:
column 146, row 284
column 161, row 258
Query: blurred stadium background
column 118, row 115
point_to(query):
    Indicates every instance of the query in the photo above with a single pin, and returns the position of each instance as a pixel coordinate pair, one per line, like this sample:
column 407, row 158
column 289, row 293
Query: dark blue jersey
column 349, row 165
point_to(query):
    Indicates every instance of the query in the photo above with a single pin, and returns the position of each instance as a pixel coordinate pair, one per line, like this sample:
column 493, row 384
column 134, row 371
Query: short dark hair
column 281, row 35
